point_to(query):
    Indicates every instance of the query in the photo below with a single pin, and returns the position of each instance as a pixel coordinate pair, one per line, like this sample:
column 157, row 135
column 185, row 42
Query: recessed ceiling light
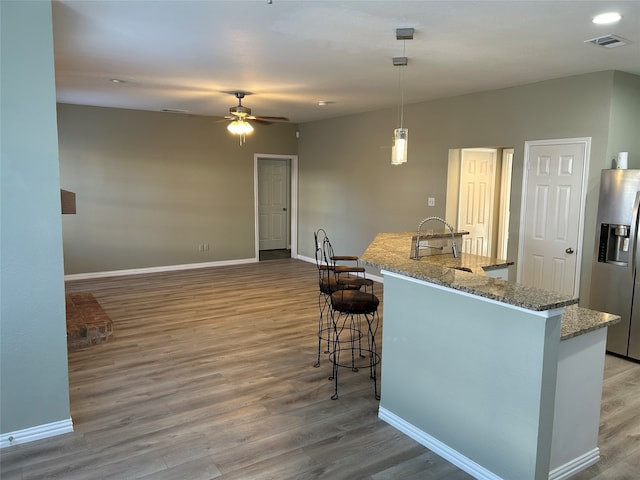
column 324, row 103
column 117, row 80
column 606, row 18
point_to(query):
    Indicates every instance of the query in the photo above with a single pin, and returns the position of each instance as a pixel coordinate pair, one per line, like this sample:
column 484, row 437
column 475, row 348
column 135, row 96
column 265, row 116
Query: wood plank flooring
column 209, row 375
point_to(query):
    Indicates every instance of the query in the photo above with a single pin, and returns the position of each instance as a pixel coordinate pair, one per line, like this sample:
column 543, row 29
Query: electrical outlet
column 431, row 201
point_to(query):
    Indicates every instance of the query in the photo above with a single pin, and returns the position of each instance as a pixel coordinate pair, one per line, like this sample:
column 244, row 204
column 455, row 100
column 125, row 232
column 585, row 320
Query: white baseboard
column 576, row 465
column 165, row 268
column 36, row 433
column 306, row 259
column 437, row 447
column 563, row 472
column 186, row 266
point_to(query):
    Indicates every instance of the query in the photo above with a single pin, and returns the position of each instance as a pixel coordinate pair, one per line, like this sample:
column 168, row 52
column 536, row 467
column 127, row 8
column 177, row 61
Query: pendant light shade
column 399, row 149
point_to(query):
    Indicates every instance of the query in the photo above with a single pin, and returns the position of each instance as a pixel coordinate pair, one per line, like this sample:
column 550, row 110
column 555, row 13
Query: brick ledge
column 87, row 322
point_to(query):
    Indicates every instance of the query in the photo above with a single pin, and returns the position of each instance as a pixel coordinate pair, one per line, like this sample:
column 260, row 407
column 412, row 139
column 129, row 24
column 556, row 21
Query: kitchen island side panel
column 577, row 406
column 476, row 375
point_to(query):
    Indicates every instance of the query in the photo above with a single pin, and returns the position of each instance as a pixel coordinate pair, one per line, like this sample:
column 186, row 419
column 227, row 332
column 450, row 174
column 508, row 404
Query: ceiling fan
column 240, row 111
column 239, row 116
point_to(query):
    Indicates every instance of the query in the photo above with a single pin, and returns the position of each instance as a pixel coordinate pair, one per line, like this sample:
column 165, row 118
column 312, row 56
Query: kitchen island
column 500, row 379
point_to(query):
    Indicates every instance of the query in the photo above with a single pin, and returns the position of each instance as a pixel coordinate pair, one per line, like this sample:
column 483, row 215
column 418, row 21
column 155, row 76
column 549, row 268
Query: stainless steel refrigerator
column 615, row 282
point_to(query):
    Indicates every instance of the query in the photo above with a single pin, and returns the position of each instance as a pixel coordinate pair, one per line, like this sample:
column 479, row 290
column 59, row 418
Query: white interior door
column 273, row 203
column 477, row 191
column 552, row 215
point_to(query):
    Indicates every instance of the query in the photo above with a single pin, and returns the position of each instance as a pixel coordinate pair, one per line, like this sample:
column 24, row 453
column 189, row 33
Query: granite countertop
column 391, row 251
column 578, row 321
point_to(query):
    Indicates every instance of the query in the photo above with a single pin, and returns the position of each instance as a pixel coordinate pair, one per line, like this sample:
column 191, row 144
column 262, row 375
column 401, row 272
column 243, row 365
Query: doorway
column 476, row 200
column 275, row 206
column 552, row 218
column 478, row 192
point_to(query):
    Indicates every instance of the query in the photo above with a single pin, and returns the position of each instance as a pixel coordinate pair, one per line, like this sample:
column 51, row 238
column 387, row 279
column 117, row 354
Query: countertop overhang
column 391, row 251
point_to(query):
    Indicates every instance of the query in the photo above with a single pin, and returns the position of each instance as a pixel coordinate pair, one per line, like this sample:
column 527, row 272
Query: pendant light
column 401, row 134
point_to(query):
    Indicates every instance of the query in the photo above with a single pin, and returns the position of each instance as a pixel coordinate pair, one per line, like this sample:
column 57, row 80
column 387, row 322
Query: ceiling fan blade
column 275, row 119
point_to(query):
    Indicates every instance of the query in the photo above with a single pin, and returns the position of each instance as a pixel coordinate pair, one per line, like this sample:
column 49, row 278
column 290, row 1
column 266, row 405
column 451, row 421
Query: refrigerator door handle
column 633, row 235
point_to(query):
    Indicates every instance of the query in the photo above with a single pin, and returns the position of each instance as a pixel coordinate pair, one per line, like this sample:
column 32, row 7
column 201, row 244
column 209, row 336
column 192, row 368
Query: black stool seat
column 355, row 302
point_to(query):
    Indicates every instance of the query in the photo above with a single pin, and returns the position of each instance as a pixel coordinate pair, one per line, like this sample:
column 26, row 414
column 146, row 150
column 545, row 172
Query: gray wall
column 349, row 187
column 151, row 186
column 624, row 131
column 33, row 349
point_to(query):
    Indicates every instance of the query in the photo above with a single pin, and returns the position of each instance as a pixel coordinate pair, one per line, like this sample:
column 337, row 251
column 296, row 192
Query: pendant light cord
column 400, row 85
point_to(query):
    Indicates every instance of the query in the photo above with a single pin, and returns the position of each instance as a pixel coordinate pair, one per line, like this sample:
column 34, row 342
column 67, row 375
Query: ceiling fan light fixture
column 239, row 116
column 241, row 128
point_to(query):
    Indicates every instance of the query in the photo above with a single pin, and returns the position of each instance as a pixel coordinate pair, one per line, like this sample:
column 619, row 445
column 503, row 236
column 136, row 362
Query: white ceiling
column 184, row 55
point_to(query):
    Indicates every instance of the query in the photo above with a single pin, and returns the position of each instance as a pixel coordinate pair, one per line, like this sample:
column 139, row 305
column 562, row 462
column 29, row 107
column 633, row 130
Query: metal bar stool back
column 328, row 283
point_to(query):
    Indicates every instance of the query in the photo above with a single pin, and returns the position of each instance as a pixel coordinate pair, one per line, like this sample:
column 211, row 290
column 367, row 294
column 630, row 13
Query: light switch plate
column 431, row 201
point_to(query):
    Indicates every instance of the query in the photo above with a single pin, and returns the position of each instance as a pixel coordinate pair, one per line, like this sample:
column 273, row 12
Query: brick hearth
column 87, row 322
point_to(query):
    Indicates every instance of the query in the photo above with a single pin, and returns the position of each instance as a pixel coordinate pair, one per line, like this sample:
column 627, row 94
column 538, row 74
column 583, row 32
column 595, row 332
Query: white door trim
column 294, row 201
column 586, row 142
column 506, row 170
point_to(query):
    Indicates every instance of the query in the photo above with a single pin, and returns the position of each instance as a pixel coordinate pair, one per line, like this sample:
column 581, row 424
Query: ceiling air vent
column 608, row 41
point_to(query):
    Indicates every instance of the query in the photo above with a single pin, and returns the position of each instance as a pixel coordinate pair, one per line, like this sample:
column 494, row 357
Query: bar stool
column 351, row 278
column 348, row 308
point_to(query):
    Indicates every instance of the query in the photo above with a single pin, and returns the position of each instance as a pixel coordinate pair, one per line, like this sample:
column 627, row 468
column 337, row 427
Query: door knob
column 569, row 250
column 284, row 209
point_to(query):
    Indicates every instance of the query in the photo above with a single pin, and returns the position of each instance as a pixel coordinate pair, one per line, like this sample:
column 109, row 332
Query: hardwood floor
column 209, row 375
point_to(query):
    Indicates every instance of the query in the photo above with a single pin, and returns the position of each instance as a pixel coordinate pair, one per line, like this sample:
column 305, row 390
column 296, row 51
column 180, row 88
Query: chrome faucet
column 454, row 248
